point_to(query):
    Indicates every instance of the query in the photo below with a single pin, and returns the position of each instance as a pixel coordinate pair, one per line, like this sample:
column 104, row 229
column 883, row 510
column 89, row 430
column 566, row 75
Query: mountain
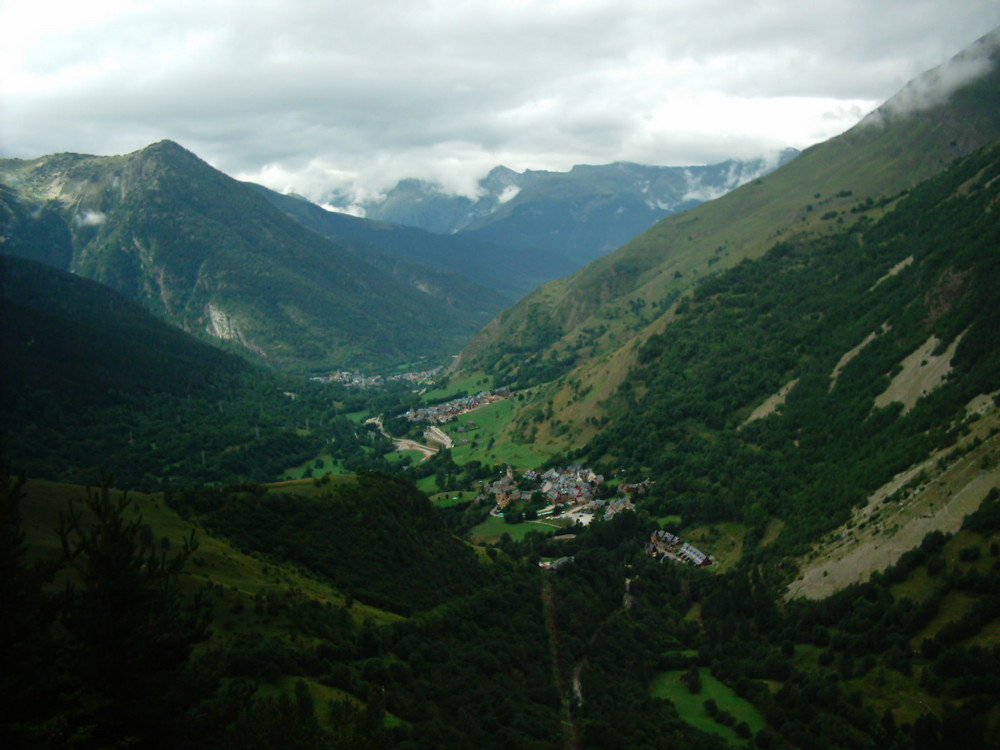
column 798, row 384
column 209, row 254
column 596, row 318
column 77, row 337
column 817, row 349
column 93, row 385
column 581, row 214
column 443, row 264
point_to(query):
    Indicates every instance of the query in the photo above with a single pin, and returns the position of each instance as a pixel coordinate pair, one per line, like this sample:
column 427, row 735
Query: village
column 575, row 493
column 360, row 380
column 446, row 412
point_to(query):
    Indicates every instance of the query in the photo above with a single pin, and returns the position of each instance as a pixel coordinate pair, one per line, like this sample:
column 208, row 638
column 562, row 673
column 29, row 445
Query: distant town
column 570, row 492
column 446, row 412
column 360, row 380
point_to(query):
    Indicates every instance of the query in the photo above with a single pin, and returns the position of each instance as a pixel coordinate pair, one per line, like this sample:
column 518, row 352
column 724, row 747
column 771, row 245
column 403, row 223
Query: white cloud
column 90, row 218
column 508, row 194
column 321, row 95
column 934, row 87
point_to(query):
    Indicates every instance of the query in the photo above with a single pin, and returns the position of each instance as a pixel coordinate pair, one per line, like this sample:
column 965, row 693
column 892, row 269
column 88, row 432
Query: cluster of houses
column 441, row 413
column 359, row 380
column 665, row 545
column 612, row 508
column 574, row 487
column 503, row 491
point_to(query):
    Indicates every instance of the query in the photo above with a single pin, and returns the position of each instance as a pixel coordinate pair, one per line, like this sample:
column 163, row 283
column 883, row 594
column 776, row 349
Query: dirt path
column 571, row 737
column 413, row 445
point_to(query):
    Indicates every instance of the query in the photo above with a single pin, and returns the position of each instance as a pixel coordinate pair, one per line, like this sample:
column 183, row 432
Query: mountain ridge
column 212, row 256
column 581, row 213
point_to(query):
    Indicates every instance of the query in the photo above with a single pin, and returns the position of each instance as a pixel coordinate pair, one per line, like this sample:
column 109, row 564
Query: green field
column 492, row 421
column 427, row 485
column 691, row 707
column 397, row 457
column 330, row 465
column 493, row 528
column 471, row 383
column 723, row 541
column 447, row 499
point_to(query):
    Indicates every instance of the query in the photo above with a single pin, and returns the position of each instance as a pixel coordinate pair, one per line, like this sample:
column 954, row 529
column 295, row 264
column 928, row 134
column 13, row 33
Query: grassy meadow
column 691, row 706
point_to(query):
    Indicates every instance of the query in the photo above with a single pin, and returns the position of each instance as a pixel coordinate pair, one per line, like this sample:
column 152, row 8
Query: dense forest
column 94, row 385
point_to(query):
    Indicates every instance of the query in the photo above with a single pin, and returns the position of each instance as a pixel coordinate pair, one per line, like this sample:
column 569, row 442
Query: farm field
column 471, row 383
column 494, row 527
column 492, row 422
column 322, row 464
column 691, row 706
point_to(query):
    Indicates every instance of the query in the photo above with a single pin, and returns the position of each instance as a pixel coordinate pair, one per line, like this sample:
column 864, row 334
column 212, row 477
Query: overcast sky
column 311, row 95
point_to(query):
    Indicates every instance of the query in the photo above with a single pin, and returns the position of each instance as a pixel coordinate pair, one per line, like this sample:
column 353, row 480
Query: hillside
column 210, row 255
column 789, row 318
column 591, row 319
column 94, row 385
column 55, row 321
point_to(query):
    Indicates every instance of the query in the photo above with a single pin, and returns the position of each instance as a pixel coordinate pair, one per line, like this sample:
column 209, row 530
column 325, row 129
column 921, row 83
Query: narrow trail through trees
column 571, row 738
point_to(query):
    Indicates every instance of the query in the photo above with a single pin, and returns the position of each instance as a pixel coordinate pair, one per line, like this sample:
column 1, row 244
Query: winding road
column 405, row 444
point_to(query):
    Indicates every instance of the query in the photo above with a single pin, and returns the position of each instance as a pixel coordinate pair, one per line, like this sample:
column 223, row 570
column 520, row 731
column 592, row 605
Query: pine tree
column 129, row 634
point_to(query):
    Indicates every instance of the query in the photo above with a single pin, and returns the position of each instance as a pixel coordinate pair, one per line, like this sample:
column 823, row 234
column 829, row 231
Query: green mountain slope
column 914, row 299
column 625, row 294
column 209, row 254
column 54, row 322
column 92, row 383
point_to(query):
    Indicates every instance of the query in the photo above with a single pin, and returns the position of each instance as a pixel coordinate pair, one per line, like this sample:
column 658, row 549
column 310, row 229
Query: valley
column 273, row 476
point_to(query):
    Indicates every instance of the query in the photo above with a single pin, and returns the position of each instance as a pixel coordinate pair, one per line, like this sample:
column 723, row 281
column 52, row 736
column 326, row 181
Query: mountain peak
column 168, row 149
column 936, row 86
column 166, row 145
